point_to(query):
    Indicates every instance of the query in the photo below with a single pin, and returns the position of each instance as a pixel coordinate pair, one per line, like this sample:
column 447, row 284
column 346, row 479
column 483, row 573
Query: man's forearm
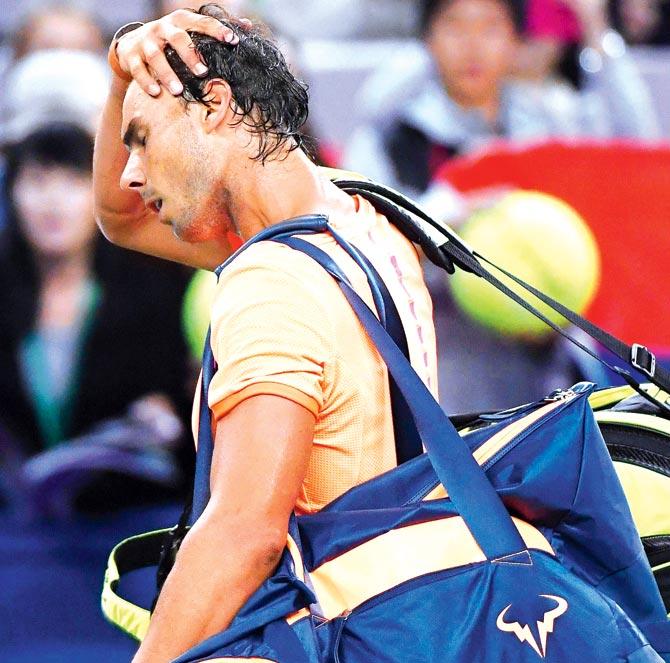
column 110, row 157
column 222, row 562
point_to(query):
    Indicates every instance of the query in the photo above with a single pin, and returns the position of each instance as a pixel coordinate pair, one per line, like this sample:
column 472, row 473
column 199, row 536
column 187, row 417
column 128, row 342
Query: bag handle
column 469, row 489
column 636, row 355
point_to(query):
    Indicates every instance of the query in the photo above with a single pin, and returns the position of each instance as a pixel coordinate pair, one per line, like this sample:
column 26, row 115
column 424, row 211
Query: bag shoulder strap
column 444, row 248
column 407, row 440
column 469, row 489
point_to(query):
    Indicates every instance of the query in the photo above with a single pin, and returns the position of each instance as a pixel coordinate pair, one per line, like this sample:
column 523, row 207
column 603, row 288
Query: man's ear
column 219, row 109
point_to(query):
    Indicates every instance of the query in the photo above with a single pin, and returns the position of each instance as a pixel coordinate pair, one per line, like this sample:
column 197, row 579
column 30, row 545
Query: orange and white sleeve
column 270, row 333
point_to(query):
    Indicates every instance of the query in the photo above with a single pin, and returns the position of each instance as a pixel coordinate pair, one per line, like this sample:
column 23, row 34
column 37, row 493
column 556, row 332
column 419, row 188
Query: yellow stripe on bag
column 607, row 397
column 498, row 441
column 648, row 496
column 129, row 617
column 402, row 554
column 634, row 420
column 604, row 398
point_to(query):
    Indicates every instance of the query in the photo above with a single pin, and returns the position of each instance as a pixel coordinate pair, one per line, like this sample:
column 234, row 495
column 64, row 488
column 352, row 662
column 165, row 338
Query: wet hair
column 267, row 98
column 429, row 9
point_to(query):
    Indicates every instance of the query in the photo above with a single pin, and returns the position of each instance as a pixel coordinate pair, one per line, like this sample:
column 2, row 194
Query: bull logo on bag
column 544, row 627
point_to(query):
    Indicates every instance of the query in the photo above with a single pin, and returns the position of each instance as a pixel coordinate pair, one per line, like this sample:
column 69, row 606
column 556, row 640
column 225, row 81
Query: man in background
column 461, row 97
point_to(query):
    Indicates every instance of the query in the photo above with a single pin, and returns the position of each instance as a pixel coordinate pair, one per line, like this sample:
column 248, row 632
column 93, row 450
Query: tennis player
column 200, row 141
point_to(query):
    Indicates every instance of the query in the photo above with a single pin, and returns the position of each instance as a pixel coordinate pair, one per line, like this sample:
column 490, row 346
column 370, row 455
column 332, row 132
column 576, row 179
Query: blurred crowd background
column 538, row 128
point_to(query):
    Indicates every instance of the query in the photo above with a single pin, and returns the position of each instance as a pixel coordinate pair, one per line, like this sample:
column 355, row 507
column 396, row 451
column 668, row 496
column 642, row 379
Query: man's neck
column 282, row 189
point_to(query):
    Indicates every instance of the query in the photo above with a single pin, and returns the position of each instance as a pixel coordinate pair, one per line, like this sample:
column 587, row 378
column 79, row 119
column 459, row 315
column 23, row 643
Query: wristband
column 112, row 57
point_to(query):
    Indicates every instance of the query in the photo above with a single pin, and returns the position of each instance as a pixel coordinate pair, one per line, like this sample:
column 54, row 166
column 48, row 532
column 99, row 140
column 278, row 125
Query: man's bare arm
column 261, row 454
column 121, row 214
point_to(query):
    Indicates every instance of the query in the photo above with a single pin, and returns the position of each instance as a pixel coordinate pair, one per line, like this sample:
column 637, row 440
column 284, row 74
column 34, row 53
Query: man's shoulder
column 272, row 294
column 269, row 272
column 267, row 260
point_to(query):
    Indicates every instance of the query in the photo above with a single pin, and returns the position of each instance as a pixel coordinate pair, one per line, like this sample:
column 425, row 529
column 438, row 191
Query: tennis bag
column 510, row 542
column 639, row 443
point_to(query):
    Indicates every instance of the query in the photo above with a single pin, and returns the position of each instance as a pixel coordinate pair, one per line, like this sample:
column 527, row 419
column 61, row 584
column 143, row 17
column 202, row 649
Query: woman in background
column 89, row 332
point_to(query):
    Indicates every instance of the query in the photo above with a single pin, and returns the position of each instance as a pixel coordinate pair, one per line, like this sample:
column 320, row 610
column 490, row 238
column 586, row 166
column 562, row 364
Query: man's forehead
column 145, row 110
column 134, row 105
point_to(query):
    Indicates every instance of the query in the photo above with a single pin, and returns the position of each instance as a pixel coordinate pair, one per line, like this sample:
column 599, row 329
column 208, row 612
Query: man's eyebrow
column 132, row 135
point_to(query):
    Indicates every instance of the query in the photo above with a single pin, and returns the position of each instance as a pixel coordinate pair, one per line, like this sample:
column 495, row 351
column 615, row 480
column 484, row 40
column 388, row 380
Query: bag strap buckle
column 643, row 359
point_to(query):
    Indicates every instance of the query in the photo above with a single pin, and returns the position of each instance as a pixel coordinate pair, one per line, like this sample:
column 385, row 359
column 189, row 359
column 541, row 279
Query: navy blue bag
column 512, row 542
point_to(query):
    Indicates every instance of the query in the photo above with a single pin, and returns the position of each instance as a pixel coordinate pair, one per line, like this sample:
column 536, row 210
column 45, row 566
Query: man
column 459, row 96
column 300, row 402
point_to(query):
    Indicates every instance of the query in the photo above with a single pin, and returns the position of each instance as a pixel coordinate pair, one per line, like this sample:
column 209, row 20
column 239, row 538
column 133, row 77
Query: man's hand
column 140, row 55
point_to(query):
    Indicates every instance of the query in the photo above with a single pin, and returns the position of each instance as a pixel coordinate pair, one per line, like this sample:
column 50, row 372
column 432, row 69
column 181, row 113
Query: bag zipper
column 500, row 443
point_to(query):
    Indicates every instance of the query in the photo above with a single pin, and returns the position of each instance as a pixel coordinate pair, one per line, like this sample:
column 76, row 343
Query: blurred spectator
column 236, row 7
column 642, row 21
column 94, row 331
column 461, row 97
column 55, row 24
column 340, row 19
column 40, row 88
column 559, row 34
column 49, row 86
column 457, row 100
column 550, row 46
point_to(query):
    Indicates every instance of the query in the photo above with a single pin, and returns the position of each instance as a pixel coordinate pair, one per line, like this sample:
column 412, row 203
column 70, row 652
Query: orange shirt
column 280, row 325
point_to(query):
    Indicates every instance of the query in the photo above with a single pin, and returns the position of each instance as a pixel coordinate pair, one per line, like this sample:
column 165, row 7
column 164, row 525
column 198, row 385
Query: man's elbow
column 266, row 548
column 260, row 542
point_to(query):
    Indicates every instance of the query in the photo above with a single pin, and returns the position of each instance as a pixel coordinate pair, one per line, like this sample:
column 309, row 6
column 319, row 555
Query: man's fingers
column 182, row 44
column 187, row 20
column 141, row 52
column 155, row 57
column 140, row 73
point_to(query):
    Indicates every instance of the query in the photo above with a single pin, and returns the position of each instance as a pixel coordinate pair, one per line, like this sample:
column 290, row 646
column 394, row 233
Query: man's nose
column 133, row 177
